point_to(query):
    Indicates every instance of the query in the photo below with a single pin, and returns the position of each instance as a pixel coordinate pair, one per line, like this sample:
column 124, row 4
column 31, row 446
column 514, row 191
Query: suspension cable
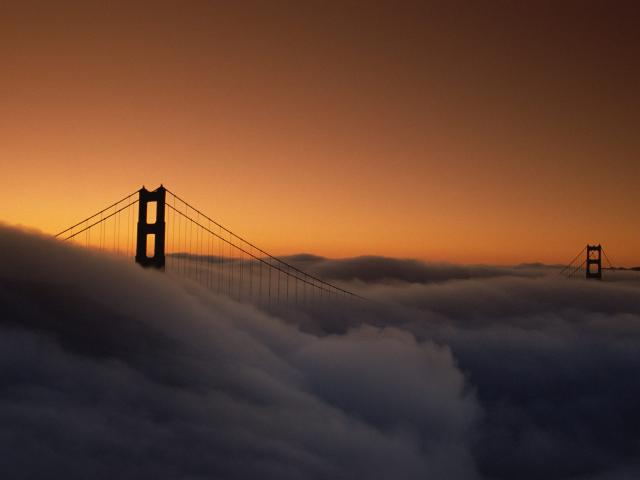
column 266, row 253
column 572, row 261
column 96, row 214
column 578, row 268
column 275, row 267
column 611, row 267
column 98, row 222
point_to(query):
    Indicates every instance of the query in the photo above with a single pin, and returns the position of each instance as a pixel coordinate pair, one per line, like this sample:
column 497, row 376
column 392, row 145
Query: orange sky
column 466, row 134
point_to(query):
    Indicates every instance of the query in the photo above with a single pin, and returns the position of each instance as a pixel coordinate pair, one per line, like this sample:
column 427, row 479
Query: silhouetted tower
column 594, row 262
column 151, row 228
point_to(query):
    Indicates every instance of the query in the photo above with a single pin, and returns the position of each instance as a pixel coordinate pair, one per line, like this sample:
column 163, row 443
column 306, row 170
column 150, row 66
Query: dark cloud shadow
column 112, row 371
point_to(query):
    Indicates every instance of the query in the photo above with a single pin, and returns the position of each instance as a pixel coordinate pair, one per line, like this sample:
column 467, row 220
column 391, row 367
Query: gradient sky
column 449, row 131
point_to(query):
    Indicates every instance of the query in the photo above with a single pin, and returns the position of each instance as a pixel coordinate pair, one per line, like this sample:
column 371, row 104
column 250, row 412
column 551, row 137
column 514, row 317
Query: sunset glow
column 399, row 131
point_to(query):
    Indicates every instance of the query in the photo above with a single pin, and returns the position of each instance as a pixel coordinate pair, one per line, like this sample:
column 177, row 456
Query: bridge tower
column 151, row 229
column 594, row 262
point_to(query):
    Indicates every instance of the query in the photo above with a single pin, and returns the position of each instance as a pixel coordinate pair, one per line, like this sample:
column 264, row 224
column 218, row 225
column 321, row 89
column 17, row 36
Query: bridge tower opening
column 594, row 262
column 151, row 231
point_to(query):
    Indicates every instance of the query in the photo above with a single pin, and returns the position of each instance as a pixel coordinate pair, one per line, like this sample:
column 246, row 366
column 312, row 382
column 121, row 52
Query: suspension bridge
column 161, row 230
column 588, row 263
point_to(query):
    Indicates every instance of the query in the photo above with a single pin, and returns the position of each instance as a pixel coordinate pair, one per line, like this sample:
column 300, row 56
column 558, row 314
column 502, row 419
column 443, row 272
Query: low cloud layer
column 372, row 269
column 111, row 371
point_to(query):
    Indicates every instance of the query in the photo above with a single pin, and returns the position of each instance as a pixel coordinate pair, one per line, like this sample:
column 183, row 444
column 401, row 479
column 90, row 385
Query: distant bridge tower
column 151, row 228
column 594, row 262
